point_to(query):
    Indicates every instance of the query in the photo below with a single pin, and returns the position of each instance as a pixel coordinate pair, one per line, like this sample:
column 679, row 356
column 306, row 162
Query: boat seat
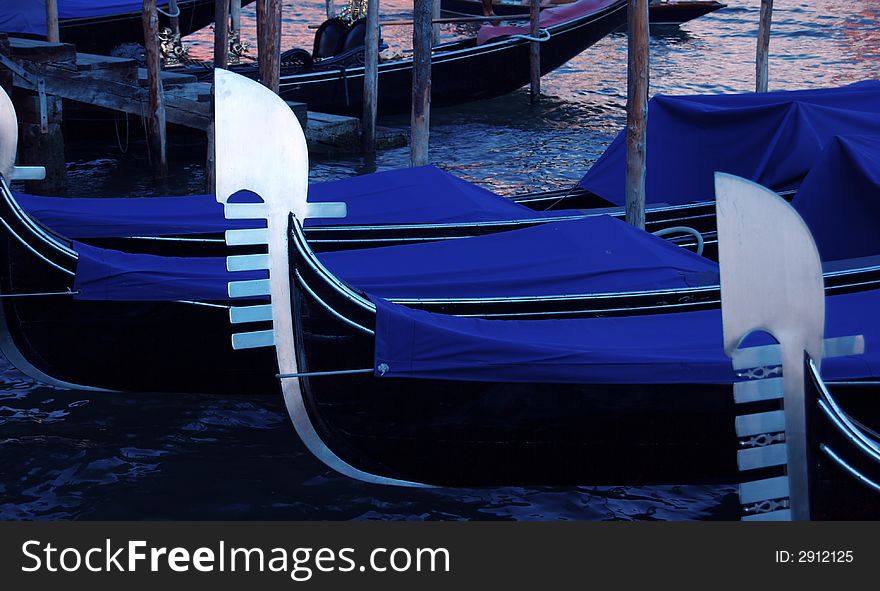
column 329, row 38
column 356, row 36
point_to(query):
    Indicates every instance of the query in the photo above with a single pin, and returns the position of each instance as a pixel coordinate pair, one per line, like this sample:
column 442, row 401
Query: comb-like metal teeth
column 330, row 209
column 245, row 211
column 247, row 262
column 780, row 515
column 757, row 390
column 772, row 354
column 761, row 422
column 763, row 490
column 762, row 457
column 253, row 340
column 247, row 237
column 243, row 314
column 249, row 288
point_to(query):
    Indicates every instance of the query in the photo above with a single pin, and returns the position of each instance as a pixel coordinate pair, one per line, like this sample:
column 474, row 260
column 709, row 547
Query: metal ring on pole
column 683, row 230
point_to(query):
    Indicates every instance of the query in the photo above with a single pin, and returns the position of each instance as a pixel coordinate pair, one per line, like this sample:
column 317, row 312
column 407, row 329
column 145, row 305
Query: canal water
column 82, row 455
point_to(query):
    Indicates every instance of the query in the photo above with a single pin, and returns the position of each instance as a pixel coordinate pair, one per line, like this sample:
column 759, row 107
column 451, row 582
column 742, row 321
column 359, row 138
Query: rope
column 544, row 35
column 683, row 230
column 172, row 4
column 312, row 374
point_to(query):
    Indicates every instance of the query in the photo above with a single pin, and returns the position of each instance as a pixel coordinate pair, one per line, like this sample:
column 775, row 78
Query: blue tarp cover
column 413, row 195
column 591, row 255
column 29, row 16
column 97, row 217
column 680, row 348
column 103, row 274
column 840, row 198
column 771, row 138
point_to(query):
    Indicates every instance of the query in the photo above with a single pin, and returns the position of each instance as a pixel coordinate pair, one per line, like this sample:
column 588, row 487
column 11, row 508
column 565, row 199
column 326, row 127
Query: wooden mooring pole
column 762, row 58
column 221, row 34
column 421, row 89
column 156, row 128
column 174, row 20
column 52, row 34
column 269, row 42
column 371, row 79
column 331, row 8
column 636, row 111
column 235, row 16
column 435, row 28
column 534, row 51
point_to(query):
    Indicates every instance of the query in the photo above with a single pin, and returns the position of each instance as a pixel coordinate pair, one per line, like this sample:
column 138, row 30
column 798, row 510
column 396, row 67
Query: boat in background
column 493, row 63
column 664, row 12
column 98, row 26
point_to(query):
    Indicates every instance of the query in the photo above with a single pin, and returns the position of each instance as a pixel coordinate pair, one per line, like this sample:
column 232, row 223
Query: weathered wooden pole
column 52, row 34
column 156, row 108
column 221, row 34
column 371, row 78
column 269, row 42
column 534, row 51
column 235, row 16
column 636, row 111
column 435, row 28
column 174, row 20
column 331, row 8
column 762, row 68
column 421, row 89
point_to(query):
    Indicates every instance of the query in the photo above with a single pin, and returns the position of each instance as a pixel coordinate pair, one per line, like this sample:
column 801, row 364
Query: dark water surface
column 83, row 455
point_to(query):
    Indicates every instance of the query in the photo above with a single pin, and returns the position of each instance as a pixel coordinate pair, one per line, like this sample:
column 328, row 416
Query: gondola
column 393, row 395
column 98, row 26
column 666, row 12
column 493, row 63
column 762, row 137
column 680, row 282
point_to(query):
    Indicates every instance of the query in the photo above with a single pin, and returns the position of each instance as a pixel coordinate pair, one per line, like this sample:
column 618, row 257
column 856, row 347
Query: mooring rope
column 172, row 4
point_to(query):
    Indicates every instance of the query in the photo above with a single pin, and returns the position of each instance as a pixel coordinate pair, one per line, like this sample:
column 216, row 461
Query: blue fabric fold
column 103, row 274
column 591, row 255
column 840, row 198
column 771, row 138
column 680, row 348
column 423, row 195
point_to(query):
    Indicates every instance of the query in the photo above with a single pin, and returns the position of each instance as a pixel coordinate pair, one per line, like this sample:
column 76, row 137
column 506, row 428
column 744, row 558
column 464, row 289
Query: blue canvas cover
column 29, row 16
column 410, row 196
column 103, row 274
column 97, row 217
column 771, row 138
column 591, row 255
column 680, row 348
column 840, row 198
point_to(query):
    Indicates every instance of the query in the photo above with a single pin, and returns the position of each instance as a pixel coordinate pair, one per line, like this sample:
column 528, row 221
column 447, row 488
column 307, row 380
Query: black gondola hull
column 844, row 479
column 462, row 73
